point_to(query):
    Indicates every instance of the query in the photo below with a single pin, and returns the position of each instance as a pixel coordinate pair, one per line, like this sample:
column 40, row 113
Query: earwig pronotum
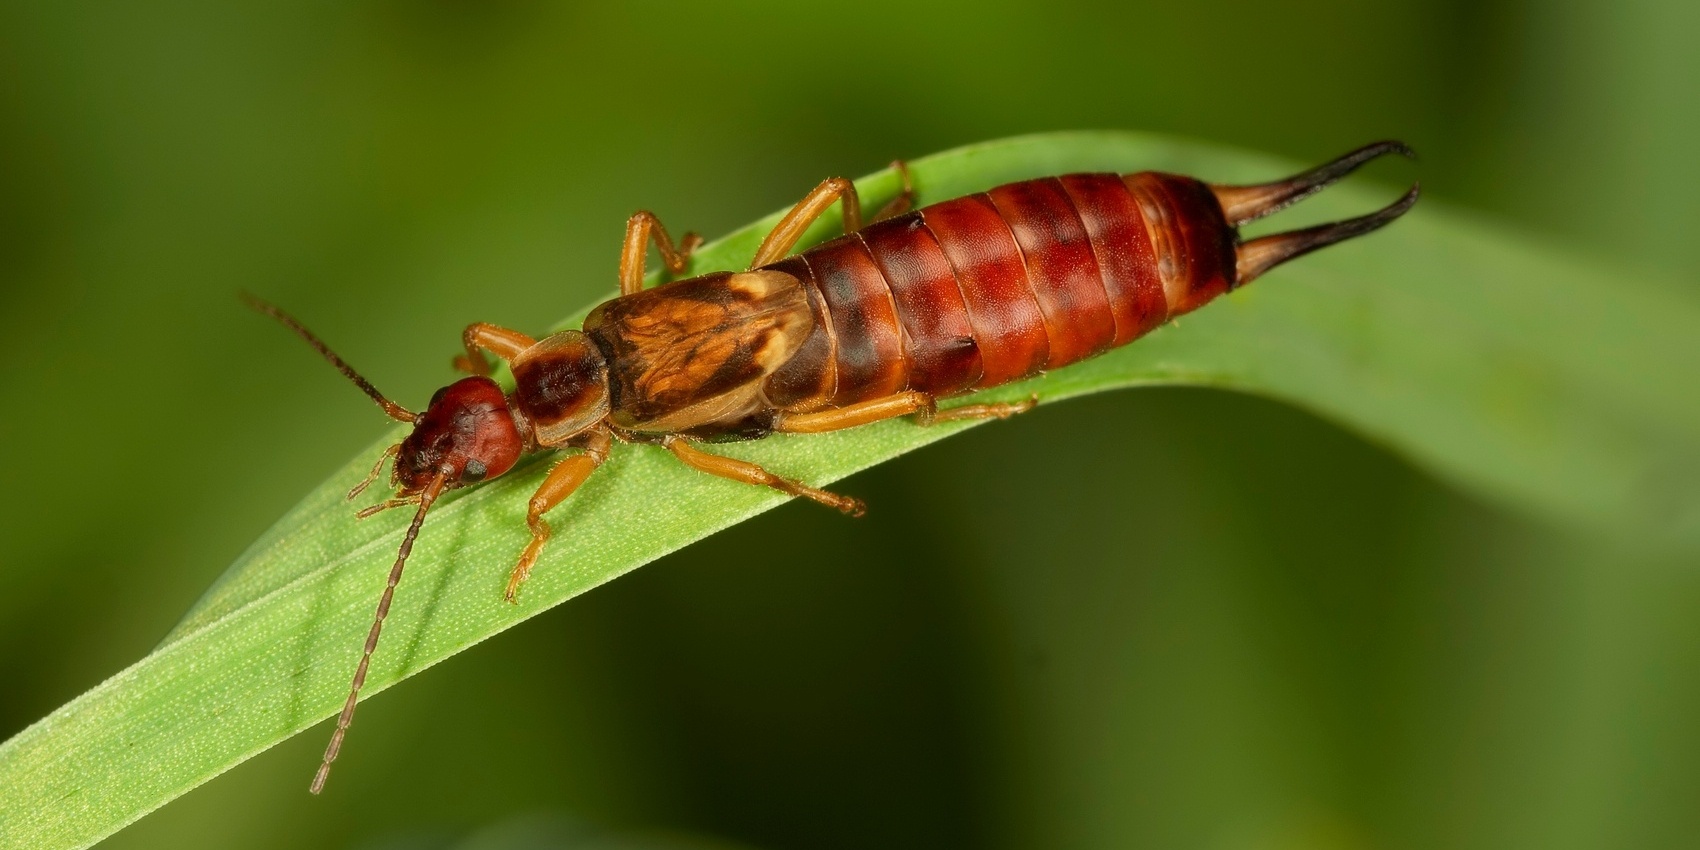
column 882, row 322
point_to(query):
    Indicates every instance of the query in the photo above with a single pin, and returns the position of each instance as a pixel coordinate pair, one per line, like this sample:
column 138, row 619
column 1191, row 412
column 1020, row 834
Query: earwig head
column 467, row 432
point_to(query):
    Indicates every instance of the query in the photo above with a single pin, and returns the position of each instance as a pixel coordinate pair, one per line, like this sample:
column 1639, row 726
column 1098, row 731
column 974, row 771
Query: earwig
column 881, row 322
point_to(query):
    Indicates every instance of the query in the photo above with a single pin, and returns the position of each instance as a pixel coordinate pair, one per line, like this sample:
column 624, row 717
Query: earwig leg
column 749, row 473
column 373, row 475
column 505, row 344
column 639, row 229
column 852, row 415
column 372, row 510
column 922, row 405
column 563, row 479
column 978, row 411
column 790, row 228
column 785, row 234
column 905, row 200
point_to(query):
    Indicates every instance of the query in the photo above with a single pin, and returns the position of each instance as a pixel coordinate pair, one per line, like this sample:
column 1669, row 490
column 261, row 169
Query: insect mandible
column 882, row 322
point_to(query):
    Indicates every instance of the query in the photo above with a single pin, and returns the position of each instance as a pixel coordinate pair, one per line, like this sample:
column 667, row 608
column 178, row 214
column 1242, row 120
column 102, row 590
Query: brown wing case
column 695, row 351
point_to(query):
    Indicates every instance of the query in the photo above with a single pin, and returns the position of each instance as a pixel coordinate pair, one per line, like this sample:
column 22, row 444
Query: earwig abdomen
column 939, row 342
column 869, row 353
column 994, row 287
column 1127, row 259
column 1061, row 269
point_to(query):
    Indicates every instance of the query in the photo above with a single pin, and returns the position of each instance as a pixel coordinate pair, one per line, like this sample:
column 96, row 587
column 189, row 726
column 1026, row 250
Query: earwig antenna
column 1266, row 252
column 1241, row 204
column 426, row 497
column 395, row 411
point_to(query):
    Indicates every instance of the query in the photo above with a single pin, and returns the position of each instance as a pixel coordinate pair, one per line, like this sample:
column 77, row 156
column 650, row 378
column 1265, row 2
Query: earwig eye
column 474, row 471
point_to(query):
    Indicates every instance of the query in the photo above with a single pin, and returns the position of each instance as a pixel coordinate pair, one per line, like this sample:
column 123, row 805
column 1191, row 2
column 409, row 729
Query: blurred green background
column 1171, row 618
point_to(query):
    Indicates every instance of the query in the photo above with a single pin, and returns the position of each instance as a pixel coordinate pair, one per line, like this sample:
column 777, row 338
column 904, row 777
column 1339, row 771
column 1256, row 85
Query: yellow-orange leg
column 373, row 475
column 995, row 410
column 373, row 510
column 905, row 199
column 749, row 473
column 505, row 344
column 785, row 234
column 563, row 479
column 922, row 405
column 640, row 228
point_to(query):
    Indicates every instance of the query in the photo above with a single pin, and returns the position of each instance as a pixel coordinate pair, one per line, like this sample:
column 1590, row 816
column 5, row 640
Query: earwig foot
column 385, row 505
column 984, row 411
column 522, row 571
column 908, row 179
column 847, row 505
column 1022, row 406
column 687, row 246
column 850, row 506
column 373, row 475
column 905, row 200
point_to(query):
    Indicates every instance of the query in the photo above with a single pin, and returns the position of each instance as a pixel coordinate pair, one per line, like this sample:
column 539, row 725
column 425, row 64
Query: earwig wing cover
column 679, row 346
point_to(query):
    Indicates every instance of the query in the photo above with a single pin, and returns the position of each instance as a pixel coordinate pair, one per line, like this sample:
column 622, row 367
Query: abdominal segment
column 998, row 286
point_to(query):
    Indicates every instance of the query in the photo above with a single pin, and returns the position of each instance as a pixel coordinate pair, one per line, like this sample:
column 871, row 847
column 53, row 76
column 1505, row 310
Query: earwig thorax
column 561, row 387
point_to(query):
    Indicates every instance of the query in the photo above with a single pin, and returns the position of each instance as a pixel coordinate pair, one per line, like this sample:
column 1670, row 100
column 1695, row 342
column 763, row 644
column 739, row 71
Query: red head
column 467, row 433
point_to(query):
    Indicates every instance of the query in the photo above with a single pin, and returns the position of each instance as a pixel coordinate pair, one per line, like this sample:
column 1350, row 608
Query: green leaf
column 1506, row 367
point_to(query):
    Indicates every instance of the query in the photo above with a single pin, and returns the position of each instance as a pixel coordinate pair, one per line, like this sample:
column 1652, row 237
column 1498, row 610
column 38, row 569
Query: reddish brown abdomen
column 990, row 288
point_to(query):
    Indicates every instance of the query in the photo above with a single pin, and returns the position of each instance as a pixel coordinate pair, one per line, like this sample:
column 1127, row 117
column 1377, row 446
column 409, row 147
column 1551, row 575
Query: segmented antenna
column 395, row 411
column 429, row 495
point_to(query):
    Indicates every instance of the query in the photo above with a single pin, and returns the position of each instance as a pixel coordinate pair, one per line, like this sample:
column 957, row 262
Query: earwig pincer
column 884, row 321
